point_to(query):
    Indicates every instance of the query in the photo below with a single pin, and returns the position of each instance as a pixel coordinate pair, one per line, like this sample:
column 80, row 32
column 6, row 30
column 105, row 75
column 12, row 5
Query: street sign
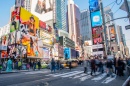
column 127, row 27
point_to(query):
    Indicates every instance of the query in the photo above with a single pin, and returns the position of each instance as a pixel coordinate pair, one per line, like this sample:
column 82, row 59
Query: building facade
column 60, row 14
column 85, row 25
column 73, row 21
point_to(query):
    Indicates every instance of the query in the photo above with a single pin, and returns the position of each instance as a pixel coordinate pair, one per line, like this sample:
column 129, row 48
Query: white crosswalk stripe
column 36, row 72
column 83, row 76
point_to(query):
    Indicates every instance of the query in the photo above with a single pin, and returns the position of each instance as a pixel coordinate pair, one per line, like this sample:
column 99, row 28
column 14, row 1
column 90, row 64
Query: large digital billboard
column 93, row 5
column 96, row 19
column 43, row 9
column 67, row 53
column 29, row 22
column 15, row 19
column 46, row 54
column 19, row 3
column 4, row 40
column 97, row 35
column 112, row 32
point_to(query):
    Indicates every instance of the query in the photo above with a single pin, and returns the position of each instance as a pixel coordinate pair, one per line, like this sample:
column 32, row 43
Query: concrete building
column 60, row 14
column 119, row 34
column 85, row 25
column 73, row 21
column 27, row 5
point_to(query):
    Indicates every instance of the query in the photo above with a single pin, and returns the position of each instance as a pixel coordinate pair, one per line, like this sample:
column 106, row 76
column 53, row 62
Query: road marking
column 36, row 72
column 109, row 79
column 100, row 77
column 80, row 76
column 72, row 74
column 85, row 77
column 64, row 74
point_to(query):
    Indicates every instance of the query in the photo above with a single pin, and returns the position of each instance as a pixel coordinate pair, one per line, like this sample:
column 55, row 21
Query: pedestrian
column 53, row 64
column 101, row 66
column 120, row 67
column 58, row 65
column 93, row 66
column 109, row 67
column 39, row 65
column 19, row 65
column 34, row 65
column 85, row 66
column 116, row 65
column 70, row 65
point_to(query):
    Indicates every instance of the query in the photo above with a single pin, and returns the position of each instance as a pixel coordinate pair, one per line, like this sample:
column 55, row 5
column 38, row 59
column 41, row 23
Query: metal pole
column 127, row 8
column 104, row 27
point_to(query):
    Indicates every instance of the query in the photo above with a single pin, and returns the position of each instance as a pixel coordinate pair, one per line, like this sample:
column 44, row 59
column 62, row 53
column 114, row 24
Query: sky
column 5, row 6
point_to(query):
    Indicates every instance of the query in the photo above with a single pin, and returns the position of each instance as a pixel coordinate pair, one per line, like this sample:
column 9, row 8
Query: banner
column 12, row 38
column 112, row 32
column 29, row 22
column 46, row 53
column 15, row 19
column 4, row 40
column 97, row 35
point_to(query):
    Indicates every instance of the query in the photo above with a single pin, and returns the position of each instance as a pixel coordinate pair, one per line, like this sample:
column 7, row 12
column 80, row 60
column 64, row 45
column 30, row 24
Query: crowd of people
column 110, row 66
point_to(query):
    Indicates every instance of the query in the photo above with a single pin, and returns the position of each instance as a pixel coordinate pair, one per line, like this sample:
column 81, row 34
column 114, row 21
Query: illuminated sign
column 96, row 19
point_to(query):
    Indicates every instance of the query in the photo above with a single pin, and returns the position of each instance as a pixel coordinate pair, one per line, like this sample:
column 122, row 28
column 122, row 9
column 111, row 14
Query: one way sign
column 127, row 27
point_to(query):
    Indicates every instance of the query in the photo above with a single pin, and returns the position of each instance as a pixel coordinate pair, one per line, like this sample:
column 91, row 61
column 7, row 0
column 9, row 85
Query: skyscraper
column 61, row 14
column 73, row 21
column 85, row 25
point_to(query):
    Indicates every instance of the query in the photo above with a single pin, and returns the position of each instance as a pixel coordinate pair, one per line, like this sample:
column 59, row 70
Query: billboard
column 73, row 53
column 93, row 5
column 15, row 19
column 4, row 40
column 97, row 35
column 67, row 53
column 43, row 9
column 46, row 54
column 19, row 3
column 4, row 54
column 44, row 26
column 28, row 22
column 5, row 30
column 46, row 37
column 96, row 19
column 12, row 38
column 112, row 32
column 60, row 51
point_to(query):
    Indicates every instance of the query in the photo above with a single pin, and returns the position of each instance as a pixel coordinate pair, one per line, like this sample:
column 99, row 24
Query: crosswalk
column 83, row 76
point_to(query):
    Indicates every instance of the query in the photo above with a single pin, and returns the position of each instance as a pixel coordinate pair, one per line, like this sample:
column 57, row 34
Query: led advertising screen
column 46, row 53
column 4, row 54
column 97, row 35
column 43, row 9
column 93, row 5
column 4, row 40
column 19, row 3
column 96, row 19
column 44, row 26
column 12, row 37
column 112, row 32
column 67, row 53
column 15, row 19
column 29, row 22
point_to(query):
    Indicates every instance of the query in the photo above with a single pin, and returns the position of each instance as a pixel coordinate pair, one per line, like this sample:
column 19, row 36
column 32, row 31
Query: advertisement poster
column 93, row 5
column 46, row 53
column 97, row 35
column 19, row 3
column 32, row 45
column 96, row 19
column 67, row 53
column 29, row 22
column 11, row 38
column 112, row 32
column 15, row 19
column 44, row 26
column 46, row 37
column 43, row 9
column 4, row 54
column 4, row 40
column 60, row 51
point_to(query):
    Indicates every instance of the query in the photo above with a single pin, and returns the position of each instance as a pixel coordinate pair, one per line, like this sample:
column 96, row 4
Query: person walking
column 109, row 67
column 34, row 65
column 53, row 65
column 93, row 66
column 39, row 65
column 85, row 66
column 19, row 65
column 120, row 67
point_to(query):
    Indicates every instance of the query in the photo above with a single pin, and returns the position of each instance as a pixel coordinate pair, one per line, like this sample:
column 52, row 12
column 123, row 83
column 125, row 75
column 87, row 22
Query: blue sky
column 83, row 4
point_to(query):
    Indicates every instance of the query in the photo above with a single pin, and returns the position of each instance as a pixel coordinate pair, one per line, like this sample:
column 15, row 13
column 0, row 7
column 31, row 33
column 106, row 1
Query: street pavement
column 65, row 77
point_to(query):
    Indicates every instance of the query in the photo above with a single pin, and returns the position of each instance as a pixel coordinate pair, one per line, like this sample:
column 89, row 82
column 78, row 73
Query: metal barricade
column 127, row 82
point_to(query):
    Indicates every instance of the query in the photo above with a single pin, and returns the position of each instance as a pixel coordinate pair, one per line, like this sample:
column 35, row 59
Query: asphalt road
column 75, row 77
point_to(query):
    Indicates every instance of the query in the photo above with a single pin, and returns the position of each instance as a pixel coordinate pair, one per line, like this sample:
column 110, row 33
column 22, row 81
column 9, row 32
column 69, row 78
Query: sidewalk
column 18, row 71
